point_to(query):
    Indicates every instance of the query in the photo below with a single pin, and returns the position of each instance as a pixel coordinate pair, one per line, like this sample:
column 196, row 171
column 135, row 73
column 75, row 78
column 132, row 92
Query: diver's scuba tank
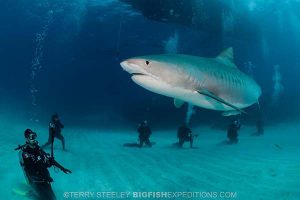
column 21, row 161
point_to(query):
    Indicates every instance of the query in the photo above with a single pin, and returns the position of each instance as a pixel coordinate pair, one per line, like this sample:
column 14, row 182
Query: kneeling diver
column 232, row 132
column 145, row 132
column 184, row 134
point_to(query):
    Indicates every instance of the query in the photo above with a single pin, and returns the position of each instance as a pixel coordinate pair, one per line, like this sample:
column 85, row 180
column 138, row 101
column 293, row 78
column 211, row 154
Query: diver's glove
column 66, row 171
column 51, row 161
column 56, row 164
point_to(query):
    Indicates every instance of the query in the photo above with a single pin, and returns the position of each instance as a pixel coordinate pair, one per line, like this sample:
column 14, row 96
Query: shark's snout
column 124, row 65
column 132, row 66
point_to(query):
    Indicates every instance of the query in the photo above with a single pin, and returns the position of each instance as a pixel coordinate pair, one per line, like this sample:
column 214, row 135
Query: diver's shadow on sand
column 225, row 143
column 131, row 145
column 256, row 134
column 175, row 146
column 172, row 146
column 136, row 145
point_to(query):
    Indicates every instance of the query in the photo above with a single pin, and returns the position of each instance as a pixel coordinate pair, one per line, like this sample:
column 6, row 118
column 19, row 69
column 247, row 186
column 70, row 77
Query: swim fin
column 21, row 192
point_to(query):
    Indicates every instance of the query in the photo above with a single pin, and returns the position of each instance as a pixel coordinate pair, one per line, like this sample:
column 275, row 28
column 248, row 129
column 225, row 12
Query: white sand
column 255, row 168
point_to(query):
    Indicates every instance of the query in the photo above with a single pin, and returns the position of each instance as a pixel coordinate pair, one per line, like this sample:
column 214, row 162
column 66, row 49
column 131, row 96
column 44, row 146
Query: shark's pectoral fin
column 211, row 95
column 178, row 103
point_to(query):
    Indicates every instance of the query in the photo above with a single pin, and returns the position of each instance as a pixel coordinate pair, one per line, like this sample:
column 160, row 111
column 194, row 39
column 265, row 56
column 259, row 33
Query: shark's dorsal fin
column 227, row 54
column 227, row 57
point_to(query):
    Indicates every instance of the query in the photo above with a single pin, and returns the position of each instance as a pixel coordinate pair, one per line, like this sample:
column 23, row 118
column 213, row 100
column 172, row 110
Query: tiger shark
column 211, row 83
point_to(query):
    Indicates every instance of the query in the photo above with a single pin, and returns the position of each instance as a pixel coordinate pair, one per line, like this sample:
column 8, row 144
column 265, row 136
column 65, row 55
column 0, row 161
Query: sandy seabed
column 265, row 167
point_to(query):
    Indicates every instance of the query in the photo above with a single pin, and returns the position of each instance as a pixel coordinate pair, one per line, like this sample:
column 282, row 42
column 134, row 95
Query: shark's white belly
column 183, row 94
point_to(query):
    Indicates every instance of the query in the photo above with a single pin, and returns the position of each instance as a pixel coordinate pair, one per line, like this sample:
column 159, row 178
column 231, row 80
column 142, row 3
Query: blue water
column 63, row 56
column 84, row 43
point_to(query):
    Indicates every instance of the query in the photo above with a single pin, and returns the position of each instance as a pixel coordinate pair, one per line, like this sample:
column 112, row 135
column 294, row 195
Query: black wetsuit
column 55, row 127
column 35, row 163
column 260, row 127
column 144, row 135
column 184, row 134
column 232, row 132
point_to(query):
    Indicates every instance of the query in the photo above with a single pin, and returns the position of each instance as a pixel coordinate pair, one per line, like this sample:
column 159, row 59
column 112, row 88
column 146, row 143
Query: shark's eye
column 147, row 62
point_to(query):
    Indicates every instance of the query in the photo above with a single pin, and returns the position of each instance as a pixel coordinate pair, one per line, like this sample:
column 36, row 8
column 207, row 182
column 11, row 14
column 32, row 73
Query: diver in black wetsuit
column 232, row 132
column 55, row 127
column 35, row 163
column 184, row 134
column 260, row 127
column 144, row 134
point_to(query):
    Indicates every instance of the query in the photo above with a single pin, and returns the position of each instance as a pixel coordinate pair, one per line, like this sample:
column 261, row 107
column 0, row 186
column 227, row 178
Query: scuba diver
column 35, row 163
column 144, row 134
column 232, row 131
column 260, row 127
column 184, row 134
column 55, row 127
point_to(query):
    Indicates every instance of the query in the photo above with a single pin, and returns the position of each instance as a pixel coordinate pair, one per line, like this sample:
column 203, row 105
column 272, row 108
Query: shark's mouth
column 138, row 74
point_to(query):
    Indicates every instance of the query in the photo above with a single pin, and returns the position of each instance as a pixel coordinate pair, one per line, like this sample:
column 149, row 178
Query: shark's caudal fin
column 211, row 95
column 226, row 57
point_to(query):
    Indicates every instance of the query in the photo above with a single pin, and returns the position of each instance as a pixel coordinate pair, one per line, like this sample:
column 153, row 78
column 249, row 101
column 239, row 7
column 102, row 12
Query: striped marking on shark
column 212, row 83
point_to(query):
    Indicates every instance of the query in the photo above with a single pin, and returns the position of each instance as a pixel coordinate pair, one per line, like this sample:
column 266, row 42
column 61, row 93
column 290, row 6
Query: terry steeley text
column 147, row 195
